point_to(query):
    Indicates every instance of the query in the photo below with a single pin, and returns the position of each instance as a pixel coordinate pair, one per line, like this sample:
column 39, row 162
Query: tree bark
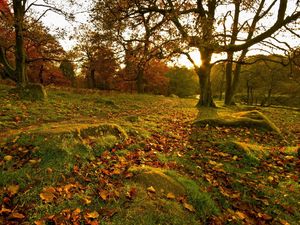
column 8, row 69
column 228, row 90
column 41, row 74
column 20, row 55
column 140, row 80
column 91, row 79
column 203, row 72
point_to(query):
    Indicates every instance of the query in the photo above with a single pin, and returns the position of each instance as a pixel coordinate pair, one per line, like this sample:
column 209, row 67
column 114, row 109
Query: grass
column 202, row 201
column 230, row 175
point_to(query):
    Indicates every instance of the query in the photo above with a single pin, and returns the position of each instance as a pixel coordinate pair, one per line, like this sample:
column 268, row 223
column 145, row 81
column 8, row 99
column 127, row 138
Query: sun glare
column 184, row 61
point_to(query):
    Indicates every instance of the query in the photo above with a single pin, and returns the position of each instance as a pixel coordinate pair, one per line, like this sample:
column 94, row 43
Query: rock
column 133, row 118
column 173, row 96
column 162, row 183
column 33, row 92
column 250, row 119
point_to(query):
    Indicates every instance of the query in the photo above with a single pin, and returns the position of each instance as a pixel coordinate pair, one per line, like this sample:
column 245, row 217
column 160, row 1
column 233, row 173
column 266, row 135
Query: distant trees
column 127, row 43
column 98, row 61
column 134, row 31
column 29, row 56
column 213, row 27
column 183, row 82
column 264, row 80
column 67, row 69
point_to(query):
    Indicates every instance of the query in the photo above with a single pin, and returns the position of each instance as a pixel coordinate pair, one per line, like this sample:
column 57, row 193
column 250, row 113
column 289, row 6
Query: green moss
column 152, row 211
column 147, row 176
column 251, row 154
column 33, row 92
column 203, row 203
column 251, row 119
column 103, row 143
column 133, row 118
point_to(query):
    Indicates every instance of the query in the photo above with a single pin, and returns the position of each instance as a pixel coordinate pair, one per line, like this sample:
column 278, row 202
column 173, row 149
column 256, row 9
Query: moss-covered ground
column 91, row 157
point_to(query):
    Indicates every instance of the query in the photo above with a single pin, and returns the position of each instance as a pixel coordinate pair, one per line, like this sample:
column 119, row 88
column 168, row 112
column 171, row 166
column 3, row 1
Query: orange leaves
column 188, row 207
column 104, row 194
column 76, row 216
column 170, row 195
column 16, row 215
column 48, row 194
column 284, row 222
column 240, row 215
column 264, row 216
column 217, row 166
column 151, row 189
column 8, row 158
column 92, row 215
column 131, row 193
column 13, row 189
column 229, row 193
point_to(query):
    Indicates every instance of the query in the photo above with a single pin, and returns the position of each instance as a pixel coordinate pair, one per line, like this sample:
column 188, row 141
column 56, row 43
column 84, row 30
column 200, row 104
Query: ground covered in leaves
column 86, row 157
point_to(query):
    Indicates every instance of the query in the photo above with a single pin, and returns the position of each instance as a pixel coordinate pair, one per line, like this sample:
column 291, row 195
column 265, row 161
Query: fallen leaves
column 189, row 207
column 48, row 194
column 229, row 193
column 170, row 195
column 92, row 215
column 16, row 215
column 13, row 189
column 241, row 215
column 104, row 194
column 131, row 193
column 264, row 216
column 151, row 189
column 8, row 158
column 284, row 222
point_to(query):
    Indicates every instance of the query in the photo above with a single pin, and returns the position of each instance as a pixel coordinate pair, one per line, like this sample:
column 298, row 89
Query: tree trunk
column 222, row 85
column 248, row 93
column 20, row 55
column 91, row 79
column 41, row 74
column 8, row 69
column 140, row 80
column 228, row 89
column 251, row 96
column 268, row 100
column 234, row 82
column 203, row 72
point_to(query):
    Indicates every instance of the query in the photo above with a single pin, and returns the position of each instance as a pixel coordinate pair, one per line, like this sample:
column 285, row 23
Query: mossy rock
column 162, row 183
column 146, row 211
column 78, row 130
column 84, row 140
column 254, row 150
column 33, row 92
column 133, row 118
column 250, row 119
column 173, row 96
column 157, row 208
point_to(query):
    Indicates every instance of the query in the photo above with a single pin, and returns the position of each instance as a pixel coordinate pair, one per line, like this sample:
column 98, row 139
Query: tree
column 135, row 31
column 183, row 82
column 18, row 74
column 17, row 70
column 98, row 60
column 156, row 81
column 263, row 11
column 267, row 78
column 218, row 79
column 198, row 24
column 67, row 69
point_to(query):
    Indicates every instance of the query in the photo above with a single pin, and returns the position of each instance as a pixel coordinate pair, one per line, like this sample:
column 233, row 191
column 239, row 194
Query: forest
column 149, row 112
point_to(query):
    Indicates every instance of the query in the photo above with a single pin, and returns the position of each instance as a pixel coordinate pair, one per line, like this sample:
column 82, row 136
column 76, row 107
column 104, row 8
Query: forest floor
column 91, row 157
